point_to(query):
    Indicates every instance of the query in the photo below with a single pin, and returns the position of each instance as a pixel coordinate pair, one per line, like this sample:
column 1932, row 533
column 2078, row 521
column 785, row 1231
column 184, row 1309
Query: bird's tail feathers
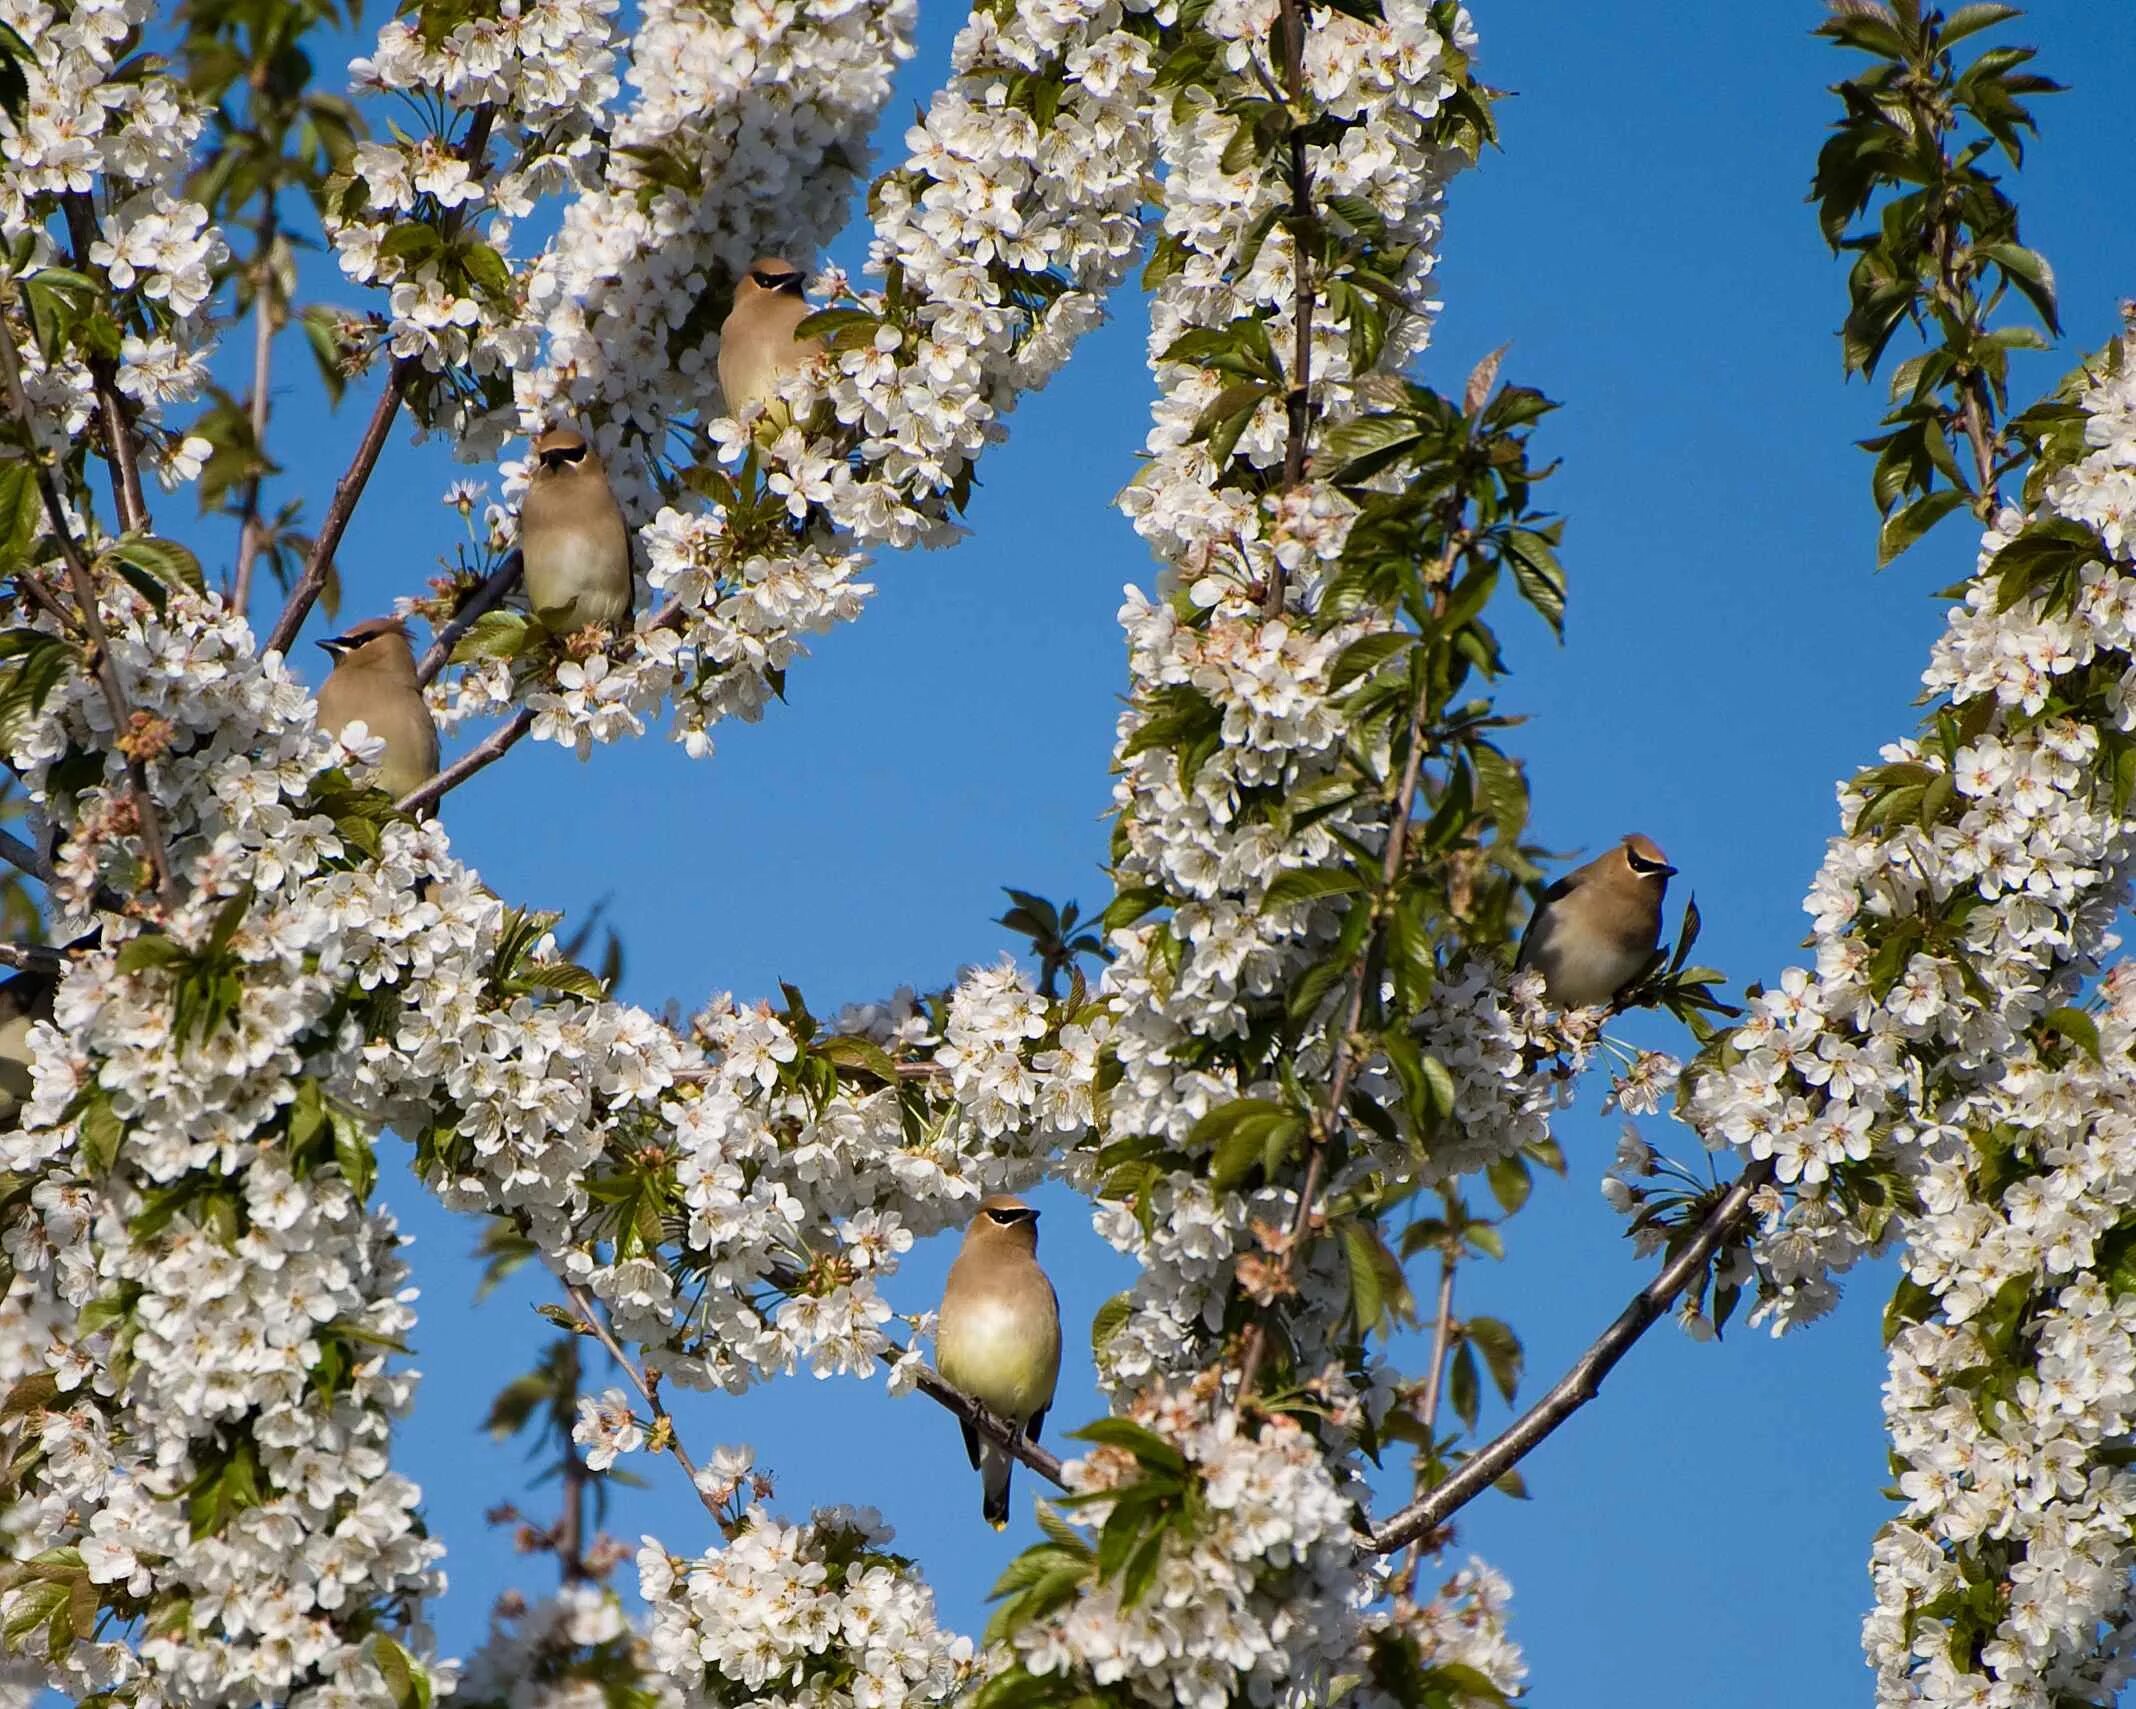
column 995, row 1468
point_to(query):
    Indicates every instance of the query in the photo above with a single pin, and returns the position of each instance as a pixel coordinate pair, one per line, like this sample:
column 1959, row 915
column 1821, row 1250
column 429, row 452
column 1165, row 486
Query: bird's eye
column 1641, row 865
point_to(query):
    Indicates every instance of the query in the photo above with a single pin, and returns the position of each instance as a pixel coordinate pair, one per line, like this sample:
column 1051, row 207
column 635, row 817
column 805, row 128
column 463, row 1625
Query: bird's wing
column 1035, row 1423
column 971, row 1441
column 1557, row 892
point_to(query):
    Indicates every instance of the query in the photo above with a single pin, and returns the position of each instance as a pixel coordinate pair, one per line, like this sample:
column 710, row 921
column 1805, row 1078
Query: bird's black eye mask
column 563, row 459
column 1010, row 1218
column 1648, row 868
column 790, row 282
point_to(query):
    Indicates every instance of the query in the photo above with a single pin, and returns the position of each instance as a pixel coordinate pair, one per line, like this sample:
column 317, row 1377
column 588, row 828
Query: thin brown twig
column 1298, row 403
column 119, row 448
column 318, row 563
column 147, row 821
column 1428, row 1414
column 1583, row 1382
column 647, row 1385
column 488, row 751
column 501, row 581
column 1344, row 1067
column 997, row 1431
column 250, row 531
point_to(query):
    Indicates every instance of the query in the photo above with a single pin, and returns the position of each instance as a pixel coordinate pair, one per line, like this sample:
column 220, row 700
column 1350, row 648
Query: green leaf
column 1969, row 20
column 1311, row 884
column 1906, row 525
column 495, row 635
column 1357, row 449
column 353, row 1151
column 166, row 560
column 22, row 515
column 1461, row 1385
column 404, row 1676
column 1367, row 654
column 322, row 333
column 1502, row 1353
column 1146, row 1445
column 1510, row 1183
column 101, row 1131
column 1111, row 1318
column 841, row 329
column 1537, row 574
column 2076, row 1026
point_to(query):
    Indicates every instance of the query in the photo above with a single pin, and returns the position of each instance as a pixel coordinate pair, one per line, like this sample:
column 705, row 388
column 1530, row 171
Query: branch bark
column 596, row 1325
column 120, row 451
column 484, row 598
column 83, row 581
column 350, row 487
column 488, row 751
column 1583, row 1382
column 1298, row 404
column 263, row 330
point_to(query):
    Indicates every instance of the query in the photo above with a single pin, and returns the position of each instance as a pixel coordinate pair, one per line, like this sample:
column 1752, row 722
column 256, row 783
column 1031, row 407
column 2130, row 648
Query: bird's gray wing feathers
column 1557, row 892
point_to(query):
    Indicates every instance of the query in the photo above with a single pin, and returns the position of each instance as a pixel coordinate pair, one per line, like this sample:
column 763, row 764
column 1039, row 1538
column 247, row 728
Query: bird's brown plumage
column 574, row 544
column 373, row 680
column 998, row 1338
column 1596, row 927
column 757, row 347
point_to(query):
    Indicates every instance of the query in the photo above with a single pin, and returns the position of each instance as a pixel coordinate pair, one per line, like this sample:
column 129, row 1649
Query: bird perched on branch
column 573, row 541
column 998, row 1338
column 1596, row 927
column 757, row 347
column 24, row 1000
column 373, row 681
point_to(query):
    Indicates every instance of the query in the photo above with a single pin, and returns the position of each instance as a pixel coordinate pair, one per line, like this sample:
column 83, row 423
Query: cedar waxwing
column 757, row 347
column 373, row 679
column 998, row 1338
column 24, row 1000
column 1596, row 927
column 573, row 541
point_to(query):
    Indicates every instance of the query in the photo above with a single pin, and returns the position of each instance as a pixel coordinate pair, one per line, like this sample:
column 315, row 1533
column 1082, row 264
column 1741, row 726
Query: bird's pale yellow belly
column 577, row 576
column 991, row 1353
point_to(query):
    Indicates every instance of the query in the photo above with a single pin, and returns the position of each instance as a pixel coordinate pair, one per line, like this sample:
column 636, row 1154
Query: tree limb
column 996, row 1430
column 350, row 487
column 119, row 448
column 147, row 820
column 263, row 329
column 488, row 751
column 1583, row 1382
column 485, row 598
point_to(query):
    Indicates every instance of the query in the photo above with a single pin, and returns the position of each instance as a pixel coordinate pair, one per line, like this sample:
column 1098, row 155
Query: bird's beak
column 1665, row 872
column 792, row 284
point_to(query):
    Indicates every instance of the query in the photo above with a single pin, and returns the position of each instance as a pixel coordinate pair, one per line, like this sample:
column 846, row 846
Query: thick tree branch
column 485, row 598
column 120, row 451
column 147, row 821
column 488, row 751
column 349, row 489
column 1583, row 1382
column 33, row 958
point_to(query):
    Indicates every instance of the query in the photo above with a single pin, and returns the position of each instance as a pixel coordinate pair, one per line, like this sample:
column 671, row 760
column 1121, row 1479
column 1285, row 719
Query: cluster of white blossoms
column 1258, row 1597
column 997, row 239
column 87, row 120
column 1210, row 833
column 574, row 1649
column 818, row 1613
column 539, row 75
column 193, row 1257
column 1943, row 1039
column 744, row 138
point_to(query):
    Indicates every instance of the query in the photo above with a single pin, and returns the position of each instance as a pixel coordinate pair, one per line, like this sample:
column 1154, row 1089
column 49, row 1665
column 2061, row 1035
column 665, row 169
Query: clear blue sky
column 1700, row 1535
